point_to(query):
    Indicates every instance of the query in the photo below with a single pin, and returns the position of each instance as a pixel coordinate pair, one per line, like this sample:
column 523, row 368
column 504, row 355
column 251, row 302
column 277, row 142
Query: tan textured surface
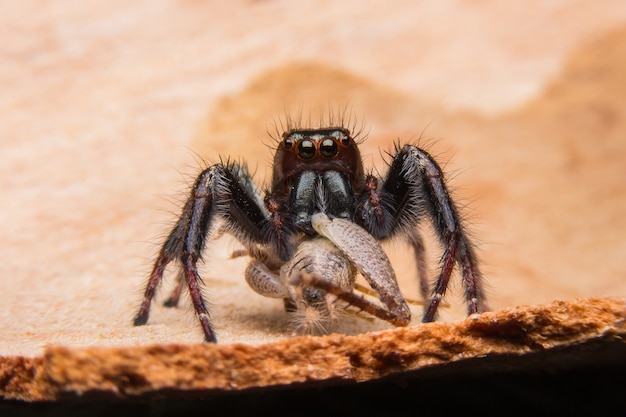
column 205, row 369
column 105, row 103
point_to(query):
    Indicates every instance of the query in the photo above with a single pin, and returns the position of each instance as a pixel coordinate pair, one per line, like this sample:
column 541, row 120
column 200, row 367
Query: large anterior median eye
column 306, row 149
column 328, row 148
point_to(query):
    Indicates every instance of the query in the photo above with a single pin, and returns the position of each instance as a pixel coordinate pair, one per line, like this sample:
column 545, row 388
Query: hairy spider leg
column 174, row 297
column 228, row 192
column 182, row 245
column 168, row 252
column 417, row 243
column 414, row 188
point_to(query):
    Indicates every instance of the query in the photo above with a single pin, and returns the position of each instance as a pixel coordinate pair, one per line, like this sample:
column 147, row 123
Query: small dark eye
column 306, row 149
column 288, row 143
column 328, row 149
column 312, row 296
column 345, row 140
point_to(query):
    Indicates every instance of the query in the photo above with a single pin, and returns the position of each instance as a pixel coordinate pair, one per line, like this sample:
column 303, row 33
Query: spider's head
column 324, row 149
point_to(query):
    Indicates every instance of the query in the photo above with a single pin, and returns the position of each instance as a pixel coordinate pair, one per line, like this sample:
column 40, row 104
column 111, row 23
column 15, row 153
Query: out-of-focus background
column 109, row 109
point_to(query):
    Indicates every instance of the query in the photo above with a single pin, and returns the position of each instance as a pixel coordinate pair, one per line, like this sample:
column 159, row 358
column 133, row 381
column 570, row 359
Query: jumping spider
column 319, row 225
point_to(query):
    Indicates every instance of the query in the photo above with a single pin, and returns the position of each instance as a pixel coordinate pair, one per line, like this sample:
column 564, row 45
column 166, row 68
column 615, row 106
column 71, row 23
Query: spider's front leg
column 225, row 191
column 414, row 188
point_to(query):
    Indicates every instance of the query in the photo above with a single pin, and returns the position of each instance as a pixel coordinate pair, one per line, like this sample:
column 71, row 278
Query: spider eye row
column 307, row 148
column 310, row 145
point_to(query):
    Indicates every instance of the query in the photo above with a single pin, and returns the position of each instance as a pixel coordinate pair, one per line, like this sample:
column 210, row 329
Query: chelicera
column 318, row 225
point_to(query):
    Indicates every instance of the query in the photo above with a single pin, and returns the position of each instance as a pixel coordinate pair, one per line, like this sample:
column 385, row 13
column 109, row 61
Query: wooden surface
column 526, row 340
column 108, row 110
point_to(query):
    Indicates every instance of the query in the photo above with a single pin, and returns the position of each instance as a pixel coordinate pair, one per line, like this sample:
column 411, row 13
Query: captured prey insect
column 318, row 225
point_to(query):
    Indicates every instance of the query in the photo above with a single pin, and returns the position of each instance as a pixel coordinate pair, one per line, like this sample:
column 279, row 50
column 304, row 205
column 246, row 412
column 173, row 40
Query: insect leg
column 369, row 258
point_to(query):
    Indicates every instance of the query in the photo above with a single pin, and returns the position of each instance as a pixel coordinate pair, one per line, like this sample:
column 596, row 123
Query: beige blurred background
column 108, row 111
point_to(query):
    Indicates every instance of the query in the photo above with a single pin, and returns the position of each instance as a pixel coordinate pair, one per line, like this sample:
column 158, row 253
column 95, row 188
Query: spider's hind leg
column 419, row 252
column 174, row 297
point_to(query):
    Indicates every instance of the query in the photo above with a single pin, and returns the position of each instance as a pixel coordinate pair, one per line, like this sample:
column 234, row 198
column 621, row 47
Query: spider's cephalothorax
column 319, row 225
